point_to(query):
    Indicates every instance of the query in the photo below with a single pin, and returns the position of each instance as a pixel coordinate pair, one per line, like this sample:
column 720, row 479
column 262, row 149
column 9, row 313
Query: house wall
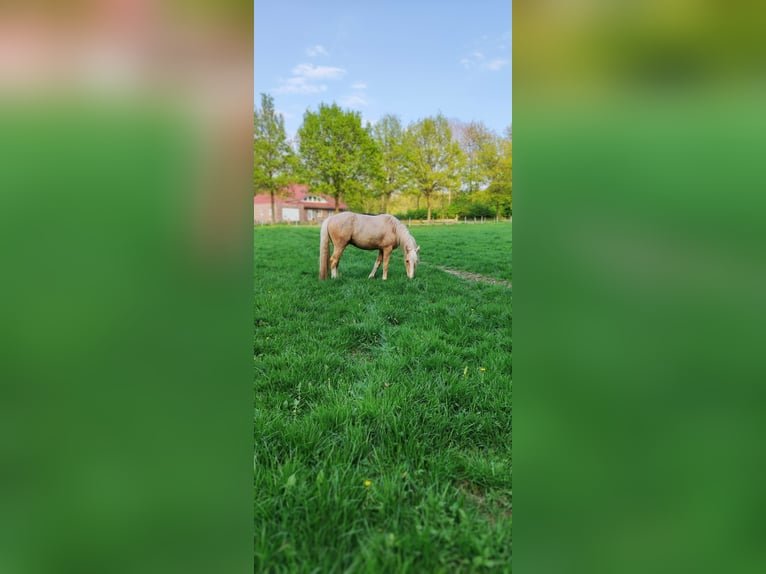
column 319, row 214
column 314, row 215
column 262, row 213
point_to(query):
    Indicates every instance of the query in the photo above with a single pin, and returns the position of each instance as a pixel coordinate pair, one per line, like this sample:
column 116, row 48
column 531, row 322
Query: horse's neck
column 403, row 235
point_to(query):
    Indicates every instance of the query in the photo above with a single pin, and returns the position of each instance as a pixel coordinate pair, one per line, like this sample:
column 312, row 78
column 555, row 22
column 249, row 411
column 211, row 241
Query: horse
column 382, row 232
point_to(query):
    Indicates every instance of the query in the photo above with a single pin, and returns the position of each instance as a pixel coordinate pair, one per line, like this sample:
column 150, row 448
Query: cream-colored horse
column 382, row 232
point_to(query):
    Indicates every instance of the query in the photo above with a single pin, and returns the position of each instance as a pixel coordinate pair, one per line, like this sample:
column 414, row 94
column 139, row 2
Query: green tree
column 338, row 155
column 394, row 176
column 499, row 193
column 273, row 158
column 481, row 148
column 434, row 160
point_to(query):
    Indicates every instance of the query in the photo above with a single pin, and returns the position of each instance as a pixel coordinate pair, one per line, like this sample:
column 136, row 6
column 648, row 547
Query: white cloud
column 472, row 60
column 317, row 50
column 299, row 85
column 305, row 77
column 312, row 71
column 354, row 100
column 495, row 65
column 358, row 98
column 478, row 60
column 489, row 53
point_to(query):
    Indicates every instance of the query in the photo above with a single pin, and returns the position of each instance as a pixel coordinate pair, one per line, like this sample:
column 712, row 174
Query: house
column 295, row 204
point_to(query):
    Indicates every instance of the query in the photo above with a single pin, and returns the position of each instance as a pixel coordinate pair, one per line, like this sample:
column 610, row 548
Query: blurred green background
column 126, row 290
column 638, row 280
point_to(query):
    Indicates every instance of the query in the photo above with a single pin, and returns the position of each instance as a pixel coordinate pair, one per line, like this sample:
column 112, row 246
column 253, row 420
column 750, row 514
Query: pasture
column 382, row 436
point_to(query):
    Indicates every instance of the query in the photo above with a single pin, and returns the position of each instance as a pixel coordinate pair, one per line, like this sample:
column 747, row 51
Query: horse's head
column 411, row 260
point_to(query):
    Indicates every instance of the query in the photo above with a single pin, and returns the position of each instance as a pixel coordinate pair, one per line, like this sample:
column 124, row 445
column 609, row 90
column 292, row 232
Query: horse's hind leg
column 377, row 264
column 335, row 259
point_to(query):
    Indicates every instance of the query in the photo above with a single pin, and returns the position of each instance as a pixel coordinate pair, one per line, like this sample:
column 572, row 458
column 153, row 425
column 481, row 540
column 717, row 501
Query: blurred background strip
column 125, row 299
column 640, row 132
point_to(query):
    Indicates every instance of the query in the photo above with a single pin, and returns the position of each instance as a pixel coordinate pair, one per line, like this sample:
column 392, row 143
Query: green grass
column 405, row 384
column 481, row 248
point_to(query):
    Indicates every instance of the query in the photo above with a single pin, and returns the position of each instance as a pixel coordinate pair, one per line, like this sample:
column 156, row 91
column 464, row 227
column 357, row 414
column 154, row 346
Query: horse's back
column 343, row 221
column 358, row 220
column 364, row 231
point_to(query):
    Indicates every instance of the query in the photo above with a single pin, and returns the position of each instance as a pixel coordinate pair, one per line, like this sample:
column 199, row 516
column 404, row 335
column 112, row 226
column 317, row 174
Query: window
column 290, row 214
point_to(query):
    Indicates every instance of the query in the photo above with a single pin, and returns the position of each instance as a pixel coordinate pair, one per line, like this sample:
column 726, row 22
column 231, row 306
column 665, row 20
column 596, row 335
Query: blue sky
column 409, row 58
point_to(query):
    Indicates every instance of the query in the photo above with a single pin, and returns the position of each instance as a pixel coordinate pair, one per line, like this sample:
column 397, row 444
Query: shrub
column 421, row 213
column 479, row 210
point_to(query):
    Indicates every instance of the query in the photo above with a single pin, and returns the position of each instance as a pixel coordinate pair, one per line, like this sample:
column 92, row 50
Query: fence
column 454, row 220
column 410, row 222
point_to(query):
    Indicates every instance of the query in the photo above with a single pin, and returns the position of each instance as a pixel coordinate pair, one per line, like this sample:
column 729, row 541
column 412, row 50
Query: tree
column 273, row 158
column 481, row 150
column 339, row 156
column 394, row 177
column 500, row 190
column 433, row 158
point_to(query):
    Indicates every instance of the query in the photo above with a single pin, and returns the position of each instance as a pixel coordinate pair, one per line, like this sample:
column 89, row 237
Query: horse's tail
column 324, row 250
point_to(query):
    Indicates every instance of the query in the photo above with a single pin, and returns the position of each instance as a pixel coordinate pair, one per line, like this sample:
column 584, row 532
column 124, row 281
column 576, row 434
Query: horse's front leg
column 377, row 264
column 386, row 258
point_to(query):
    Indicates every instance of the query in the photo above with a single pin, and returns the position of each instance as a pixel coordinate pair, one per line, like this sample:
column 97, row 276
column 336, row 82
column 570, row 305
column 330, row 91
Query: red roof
column 298, row 194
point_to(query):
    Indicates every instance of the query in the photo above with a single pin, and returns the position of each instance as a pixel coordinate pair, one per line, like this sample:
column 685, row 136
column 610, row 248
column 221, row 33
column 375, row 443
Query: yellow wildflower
column 367, row 484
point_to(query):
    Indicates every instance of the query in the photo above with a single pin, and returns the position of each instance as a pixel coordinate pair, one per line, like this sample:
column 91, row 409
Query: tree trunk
column 337, row 202
column 428, row 204
column 273, row 210
column 387, row 200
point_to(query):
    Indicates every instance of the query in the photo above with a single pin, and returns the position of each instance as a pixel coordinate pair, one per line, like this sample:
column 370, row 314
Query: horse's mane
column 402, row 233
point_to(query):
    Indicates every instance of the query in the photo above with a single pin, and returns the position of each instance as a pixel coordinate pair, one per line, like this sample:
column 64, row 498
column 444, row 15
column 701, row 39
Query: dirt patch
column 499, row 506
column 475, row 277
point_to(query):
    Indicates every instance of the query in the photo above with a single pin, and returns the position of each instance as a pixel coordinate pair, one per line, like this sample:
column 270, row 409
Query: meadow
column 382, row 435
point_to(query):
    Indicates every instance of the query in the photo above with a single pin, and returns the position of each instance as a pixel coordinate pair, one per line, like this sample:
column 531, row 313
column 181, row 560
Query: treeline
column 450, row 169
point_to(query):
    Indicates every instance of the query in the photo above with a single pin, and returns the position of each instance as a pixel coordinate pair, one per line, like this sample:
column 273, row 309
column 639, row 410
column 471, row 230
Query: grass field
column 383, row 409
